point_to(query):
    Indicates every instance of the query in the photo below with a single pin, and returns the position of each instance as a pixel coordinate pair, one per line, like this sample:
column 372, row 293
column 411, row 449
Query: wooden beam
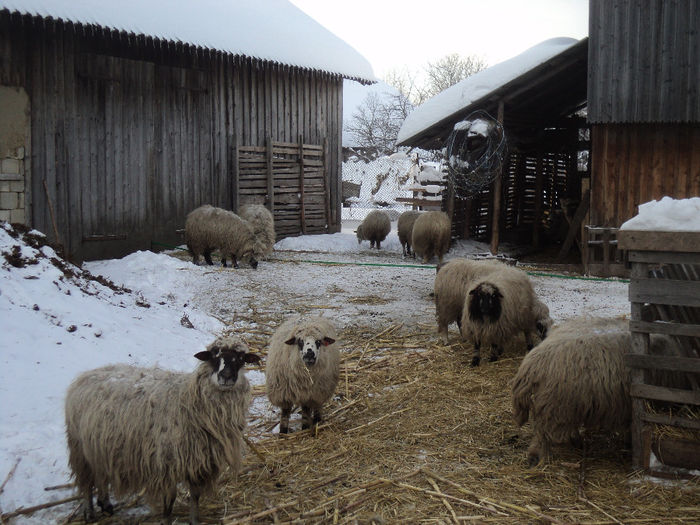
column 575, row 226
column 270, row 198
column 302, row 211
column 497, row 188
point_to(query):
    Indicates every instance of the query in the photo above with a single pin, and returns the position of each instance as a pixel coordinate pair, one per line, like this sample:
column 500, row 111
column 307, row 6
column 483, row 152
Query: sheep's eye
column 318, row 343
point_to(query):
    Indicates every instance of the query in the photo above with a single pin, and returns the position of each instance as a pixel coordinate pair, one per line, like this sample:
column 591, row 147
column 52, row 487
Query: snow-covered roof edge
column 270, row 30
column 479, row 85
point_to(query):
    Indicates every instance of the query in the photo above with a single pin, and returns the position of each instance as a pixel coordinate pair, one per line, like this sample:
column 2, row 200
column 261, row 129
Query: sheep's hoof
column 106, row 506
column 493, row 358
column 475, row 361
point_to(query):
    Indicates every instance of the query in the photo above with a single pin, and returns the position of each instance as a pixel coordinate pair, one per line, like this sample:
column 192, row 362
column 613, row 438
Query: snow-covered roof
column 479, row 85
column 273, row 30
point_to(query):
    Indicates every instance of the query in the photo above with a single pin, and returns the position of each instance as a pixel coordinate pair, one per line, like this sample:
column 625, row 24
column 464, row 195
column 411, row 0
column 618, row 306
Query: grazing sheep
column 431, row 235
column 303, row 366
column 208, row 228
column 263, row 224
column 498, row 307
column 577, row 378
column 405, row 230
column 374, row 228
column 452, row 283
column 144, row 430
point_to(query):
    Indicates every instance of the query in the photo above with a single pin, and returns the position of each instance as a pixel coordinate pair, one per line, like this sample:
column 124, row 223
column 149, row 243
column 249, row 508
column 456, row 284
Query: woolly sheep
column 452, row 283
column 577, row 378
column 431, row 235
column 208, row 228
column 144, row 430
column 405, row 229
column 263, row 224
column 374, row 228
column 499, row 306
column 303, row 365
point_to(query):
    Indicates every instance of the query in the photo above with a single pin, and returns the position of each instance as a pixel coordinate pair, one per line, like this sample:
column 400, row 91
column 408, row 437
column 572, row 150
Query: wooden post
column 235, row 190
column 270, row 177
column 497, row 188
column 326, row 186
column 539, row 185
column 302, row 211
column 640, row 346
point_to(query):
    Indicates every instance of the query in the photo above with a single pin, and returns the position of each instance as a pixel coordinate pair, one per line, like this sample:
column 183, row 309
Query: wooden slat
column 664, row 291
column 662, row 362
column 659, row 241
column 663, row 327
column 660, row 393
column 675, row 421
column 663, row 257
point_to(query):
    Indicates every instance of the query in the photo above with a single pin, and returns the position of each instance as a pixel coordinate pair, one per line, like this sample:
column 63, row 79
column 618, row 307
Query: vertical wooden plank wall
column 131, row 133
column 634, row 163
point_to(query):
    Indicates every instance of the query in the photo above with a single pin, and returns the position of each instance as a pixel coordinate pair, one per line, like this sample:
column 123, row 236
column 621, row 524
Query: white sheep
column 144, row 430
column 498, row 307
column 452, row 283
column 374, row 228
column 208, row 228
column 431, row 235
column 263, row 223
column 303, row 366
column 405, row 230
column 577, row 378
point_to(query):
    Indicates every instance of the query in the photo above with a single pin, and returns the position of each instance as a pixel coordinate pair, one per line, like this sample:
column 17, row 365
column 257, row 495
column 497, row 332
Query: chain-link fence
column 395, row 183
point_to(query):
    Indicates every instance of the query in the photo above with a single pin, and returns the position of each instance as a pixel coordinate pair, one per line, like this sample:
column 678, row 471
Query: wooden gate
column 290, row 179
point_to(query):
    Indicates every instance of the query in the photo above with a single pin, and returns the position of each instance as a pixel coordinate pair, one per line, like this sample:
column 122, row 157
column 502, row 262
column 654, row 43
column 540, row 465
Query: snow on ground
column 57, row 322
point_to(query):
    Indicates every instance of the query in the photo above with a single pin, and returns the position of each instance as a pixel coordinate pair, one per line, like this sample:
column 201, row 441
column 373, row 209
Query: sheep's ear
column 205, row 355
column 472, row 292
column 327, row 341
column 291, row 341
column 249, row 357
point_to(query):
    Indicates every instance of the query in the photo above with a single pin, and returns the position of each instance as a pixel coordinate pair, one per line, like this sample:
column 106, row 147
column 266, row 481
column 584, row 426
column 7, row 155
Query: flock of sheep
column 143, row 431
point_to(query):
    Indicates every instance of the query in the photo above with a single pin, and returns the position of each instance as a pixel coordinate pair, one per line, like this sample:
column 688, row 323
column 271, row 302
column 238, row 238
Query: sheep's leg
column 496, row 351
column 371, row 244
column 305, row 417
column 89, row 510
column 403, row 246
column 379, row 244
column 529, row 340
column 318, row 416
column 235, row 261
column 195, row 492
column 284, row 420
column 168, row 503
column 476, row 354
column 207, row 257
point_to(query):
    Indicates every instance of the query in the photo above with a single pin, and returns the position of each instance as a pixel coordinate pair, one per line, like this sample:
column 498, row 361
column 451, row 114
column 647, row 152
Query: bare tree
column 449, row 70
column 376, row 122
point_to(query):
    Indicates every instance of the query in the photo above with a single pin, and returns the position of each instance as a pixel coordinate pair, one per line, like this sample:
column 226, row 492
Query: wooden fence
column 664, row 294
column 291, row 179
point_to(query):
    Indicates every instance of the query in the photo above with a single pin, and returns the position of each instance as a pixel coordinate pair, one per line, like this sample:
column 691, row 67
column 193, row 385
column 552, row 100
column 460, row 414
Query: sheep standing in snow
column 405, row 230
column 577, row 378
column 374, row 228
column 144, row 430
column 452, row 283
column 431, row 235
column 263, row 224
column 303, row 366
column 208, row 228
column 497, row 307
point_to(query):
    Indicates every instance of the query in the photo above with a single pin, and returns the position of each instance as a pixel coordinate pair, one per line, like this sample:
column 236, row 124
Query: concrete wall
column 14, row 154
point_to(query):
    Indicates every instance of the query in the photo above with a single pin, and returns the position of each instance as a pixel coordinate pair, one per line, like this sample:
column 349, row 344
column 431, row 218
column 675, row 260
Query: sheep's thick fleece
column 431, row 235
column 263, row 224
column 289, row 381
column 404, row 229
column 208, row 228
column 374, row 228
column 452, row 283
column 147, row 429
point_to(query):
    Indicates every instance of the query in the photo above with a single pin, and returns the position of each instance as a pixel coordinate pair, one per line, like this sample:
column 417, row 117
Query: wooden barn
column 117, row 120
column 537, row 96
column 643, row 109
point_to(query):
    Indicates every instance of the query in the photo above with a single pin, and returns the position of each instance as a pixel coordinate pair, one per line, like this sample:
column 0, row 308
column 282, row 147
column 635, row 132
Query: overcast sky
column 392, row 34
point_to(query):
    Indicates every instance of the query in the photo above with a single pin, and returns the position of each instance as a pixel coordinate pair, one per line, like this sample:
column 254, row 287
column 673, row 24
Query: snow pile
column 667, row 214
column 59, row 320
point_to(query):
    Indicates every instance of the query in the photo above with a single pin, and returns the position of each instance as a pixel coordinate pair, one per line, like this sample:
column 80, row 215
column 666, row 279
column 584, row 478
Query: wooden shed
column 122, row 121
column 643, row 106
column 539, row 105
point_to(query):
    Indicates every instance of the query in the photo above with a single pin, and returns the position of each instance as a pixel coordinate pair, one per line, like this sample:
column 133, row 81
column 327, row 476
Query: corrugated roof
column 273, row 30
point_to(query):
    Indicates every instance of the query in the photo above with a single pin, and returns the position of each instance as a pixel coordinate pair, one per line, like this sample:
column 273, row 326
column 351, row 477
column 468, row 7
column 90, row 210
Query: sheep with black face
column 145, row 430
column 303, row 366
column 498, row 307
